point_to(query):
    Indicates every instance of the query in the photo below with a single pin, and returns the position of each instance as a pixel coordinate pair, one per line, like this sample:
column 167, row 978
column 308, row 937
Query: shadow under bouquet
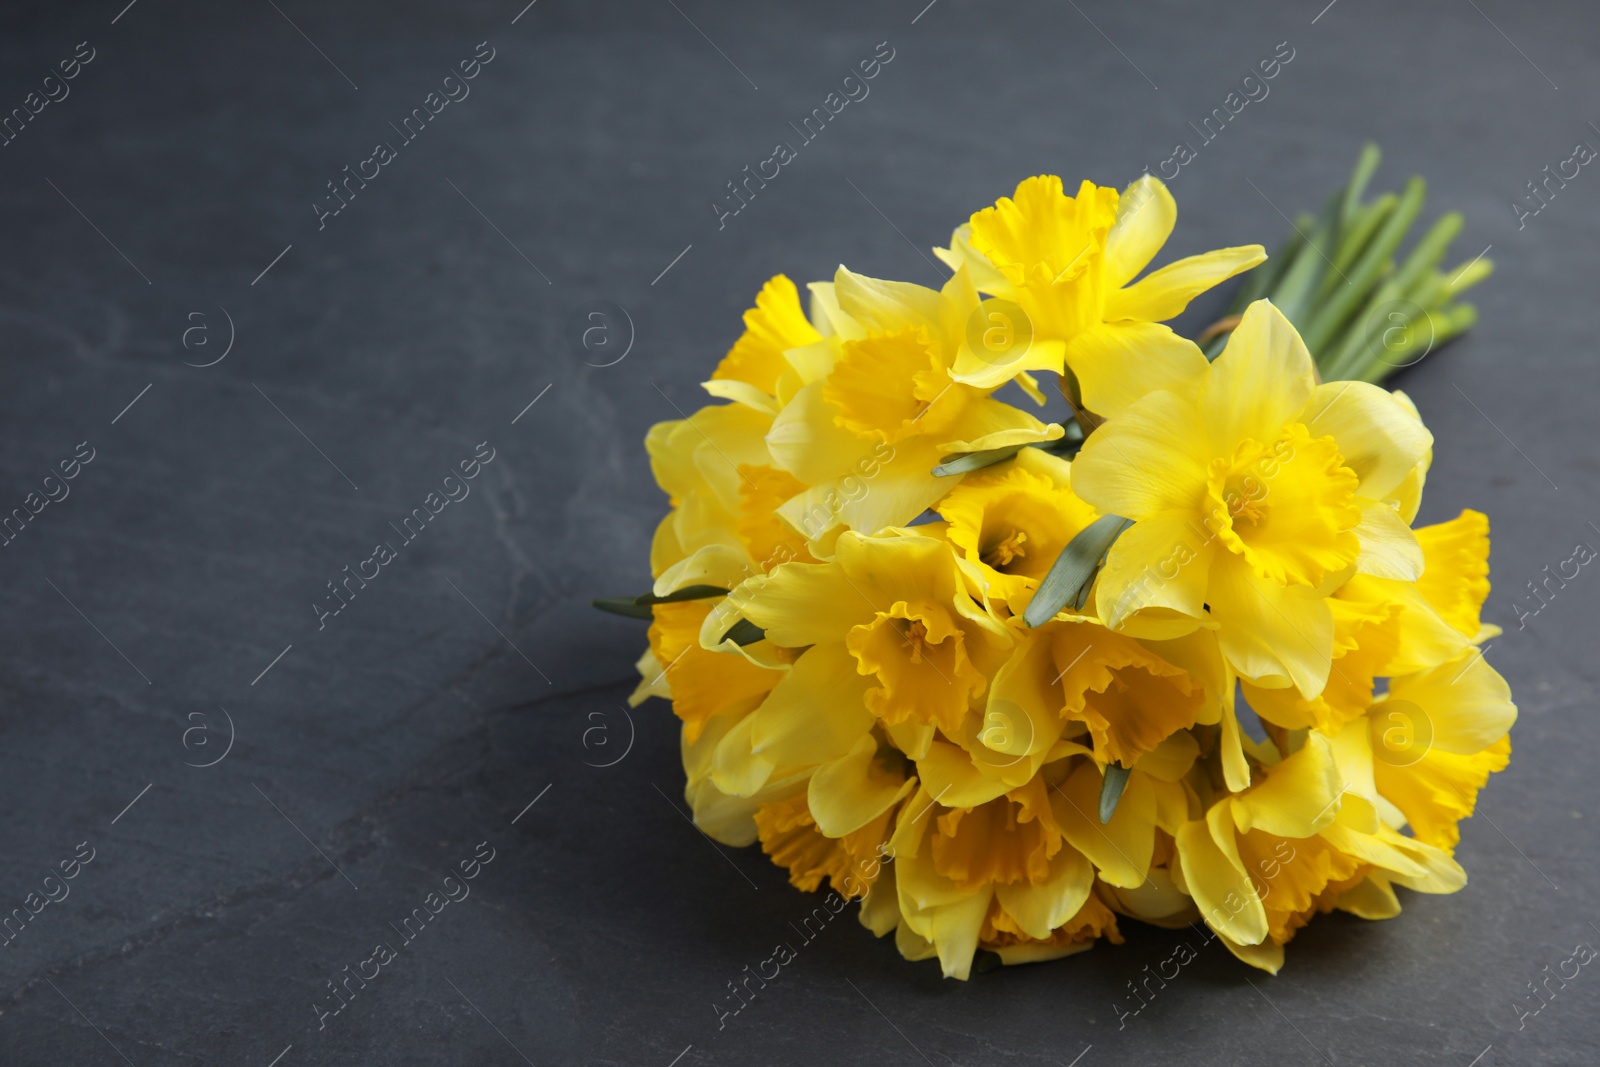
column 1180, row 656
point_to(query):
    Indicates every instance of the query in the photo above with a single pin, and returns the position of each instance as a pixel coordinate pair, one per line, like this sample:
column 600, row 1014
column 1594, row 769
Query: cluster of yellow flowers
column 994, row 693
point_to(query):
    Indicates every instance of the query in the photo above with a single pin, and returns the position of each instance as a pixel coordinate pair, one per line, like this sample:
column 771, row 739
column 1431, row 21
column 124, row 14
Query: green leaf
column 744, row 632
column 962, row 462
column 638, row 607
column 1111, row 787
column 1073, row 571
column 623, row 605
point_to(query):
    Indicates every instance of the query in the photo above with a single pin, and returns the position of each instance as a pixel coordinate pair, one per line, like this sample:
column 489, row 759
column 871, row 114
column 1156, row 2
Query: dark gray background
column 409, row 330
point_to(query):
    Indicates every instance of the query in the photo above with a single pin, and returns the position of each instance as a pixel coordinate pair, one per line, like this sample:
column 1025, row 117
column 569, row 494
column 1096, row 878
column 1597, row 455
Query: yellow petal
column 1261, row 381
column 1011, row 350
column 1408, row 494
column 1288, row 508
column 949, row 774
column 1424, row 639
column 736, row 770
column 1216, row 878
column 1039, row 231
column 719, row 564
column 1441, row 873
column 807, row 442
column 775, row 324
column 767, row 538
column 955, row 932
column 723, row 816
column 1014, row 519
column 816, row 714
column 1116, row 363
column 1388, row 547
column 1374, row 849
column 703, row 682
column 1120, row 850
column 962, row 256
column 880, row 911
column 1272, row 634
column 1297, row 797
column 1049, row 248
column 1157, row 901
column 1155, row 577
column 1147, row 460
column 876, row 493
column 892, row 386
column 1380, row 440
column 1039, row 909
column 1146, row 214
column 917, row 654
column 1267, row 956
column 652, row 680
column 1163, row 294
column 1030, row 385
column 884, row 306
column 1235, row 768
column 1023, row 714
column 1130, row 698
column 696, row 460
column 1197, row 653
column 1295, row 877
column 802, row 604
column 986, row 423
column 1465, row 703
column 911, row 738
column 1372, row 898
column 851, row 791
column 741, row 393
column 912, row 945
column 1171, row 759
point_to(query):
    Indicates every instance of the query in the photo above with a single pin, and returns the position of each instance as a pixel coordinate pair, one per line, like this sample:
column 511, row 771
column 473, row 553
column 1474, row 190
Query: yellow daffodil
column 1262, row 861
column 1384, row 627
column 1002, row 871
column 890, row 631
column 1013, row 520
column 1123, row 696
column 723, row 489
column 1255, row 493
column 1068, row 264
column 712, row 693
column 876, row 408
column 1424, row 748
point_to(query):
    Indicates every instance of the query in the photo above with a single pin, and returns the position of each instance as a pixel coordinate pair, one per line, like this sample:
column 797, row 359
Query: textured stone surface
column 379, row 751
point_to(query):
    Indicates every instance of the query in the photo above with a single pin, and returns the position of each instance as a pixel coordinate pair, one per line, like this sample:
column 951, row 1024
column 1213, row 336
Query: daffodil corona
column 1178, row 657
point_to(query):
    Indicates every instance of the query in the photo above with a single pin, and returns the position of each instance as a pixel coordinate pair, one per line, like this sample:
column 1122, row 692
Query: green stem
column 1372, row 262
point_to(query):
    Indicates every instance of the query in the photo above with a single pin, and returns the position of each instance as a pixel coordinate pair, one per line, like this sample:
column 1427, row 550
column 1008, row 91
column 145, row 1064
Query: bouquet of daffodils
column 1179, row 657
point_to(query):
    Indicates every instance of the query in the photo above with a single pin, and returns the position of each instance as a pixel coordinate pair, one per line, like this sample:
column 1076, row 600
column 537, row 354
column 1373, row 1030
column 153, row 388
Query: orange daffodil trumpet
column 1179, row 657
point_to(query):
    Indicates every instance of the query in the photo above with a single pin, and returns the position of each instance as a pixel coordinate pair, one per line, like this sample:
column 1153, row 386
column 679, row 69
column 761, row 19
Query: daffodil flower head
column 1064, row 267
column 1001, row 874
column 1255, row 493
column 878, row 408
column 1014, row 519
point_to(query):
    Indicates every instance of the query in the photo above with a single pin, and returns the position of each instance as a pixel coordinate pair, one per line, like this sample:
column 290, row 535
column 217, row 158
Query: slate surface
column 172, row 190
